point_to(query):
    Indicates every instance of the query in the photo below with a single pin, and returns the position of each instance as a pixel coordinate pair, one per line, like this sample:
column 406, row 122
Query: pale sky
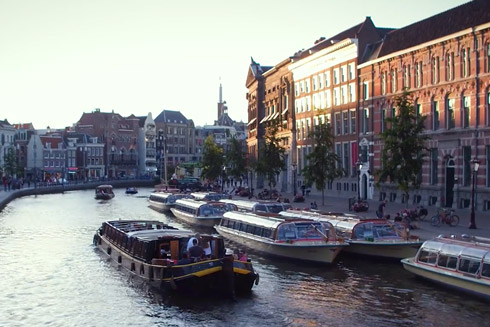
column 60, row 58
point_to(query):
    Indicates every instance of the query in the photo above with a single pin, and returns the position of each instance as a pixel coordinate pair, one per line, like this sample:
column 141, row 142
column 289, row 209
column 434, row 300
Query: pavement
column 341, row 204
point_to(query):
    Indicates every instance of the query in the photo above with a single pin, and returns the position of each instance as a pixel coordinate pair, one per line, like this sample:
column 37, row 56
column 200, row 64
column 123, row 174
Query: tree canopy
column 235, row 159
column 404, row 147
column 212, row 159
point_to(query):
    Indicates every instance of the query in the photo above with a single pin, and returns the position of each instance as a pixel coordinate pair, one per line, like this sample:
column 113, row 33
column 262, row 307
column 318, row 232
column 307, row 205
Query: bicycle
column 446, row 216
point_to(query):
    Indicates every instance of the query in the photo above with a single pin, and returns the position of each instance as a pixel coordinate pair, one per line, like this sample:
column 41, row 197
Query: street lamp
column 294, row 178
column 359, row 167
column 476, row 165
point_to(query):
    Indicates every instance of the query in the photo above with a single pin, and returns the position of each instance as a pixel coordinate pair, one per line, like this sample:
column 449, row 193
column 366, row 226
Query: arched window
column 450, row 112
column 435, row 114
column 465, row 111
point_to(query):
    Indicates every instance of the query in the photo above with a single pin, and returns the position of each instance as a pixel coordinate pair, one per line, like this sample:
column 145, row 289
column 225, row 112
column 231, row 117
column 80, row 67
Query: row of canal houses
column 349, row 81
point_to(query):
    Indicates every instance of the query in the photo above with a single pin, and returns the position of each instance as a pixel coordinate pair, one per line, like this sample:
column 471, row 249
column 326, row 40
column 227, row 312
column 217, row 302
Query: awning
column 284, row 111
column 251, row 122
column 274, row 116
column 266, row 118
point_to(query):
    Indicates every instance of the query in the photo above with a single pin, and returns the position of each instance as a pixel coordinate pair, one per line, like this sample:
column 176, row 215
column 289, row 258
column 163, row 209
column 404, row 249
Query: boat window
column 286, row 232
column 447, row 261
column 275, row 208
column 381, row 231
column 310, row 231
column 468, row 265
column 260, row 207
column 243, row 227
column 486, row 270
column 427, row 257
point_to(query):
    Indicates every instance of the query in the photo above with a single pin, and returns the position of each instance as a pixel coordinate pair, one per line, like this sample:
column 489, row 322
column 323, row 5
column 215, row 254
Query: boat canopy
column 253, row 206
column 457, row 247
column 253, row 219
column 209, row 196
column 104, row 187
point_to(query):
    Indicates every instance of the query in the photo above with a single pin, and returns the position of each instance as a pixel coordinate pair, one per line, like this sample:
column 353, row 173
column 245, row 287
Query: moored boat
column 104, row 192
column 200, row 213
column 131, row 190
column 301, row 239
column 154, row 252
column 163, row 201
column 259, row 206
column 209, row 196
column 460, row 262
column 369, row 237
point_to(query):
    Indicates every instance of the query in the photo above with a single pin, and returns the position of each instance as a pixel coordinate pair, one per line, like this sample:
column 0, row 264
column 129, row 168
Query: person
column 242, row 256
column 191, row 241
column 314, row 205
column 228, row 273
column 303, row 189
column 196, row 251
column 207, row 249
column 185, row 259
column 381, row 209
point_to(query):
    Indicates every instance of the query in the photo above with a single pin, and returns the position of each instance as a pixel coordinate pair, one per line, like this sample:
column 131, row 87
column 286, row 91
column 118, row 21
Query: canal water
column 51, row 275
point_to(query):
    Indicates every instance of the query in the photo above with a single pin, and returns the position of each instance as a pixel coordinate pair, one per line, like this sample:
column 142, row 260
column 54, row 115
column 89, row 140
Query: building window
column 352, row 94
column 435, row 70
column 393, row 80
column 466, row 165
column 406, row 76
column 383, row 83
column 327, row 78
column 343, row 73
column 351, row 71
column 338, row 152
column 343, row 94
column 345, row 118
column 433, row 166
column 450, row 113
column 308, row 128
column 320, row 81
column 296, row 89
column 365, row 120
column 328, row 99
column 302, row 87
column 465, row 62
column 418, row 109
column 435, row 115
column 336, row 76
column 336, row 96
column 466, row 112
column 383, row 119
column 488, row 165
column 307, row 86
column 450, row 66
column 352, row 121
column 338, row 124
column 346, row 160
column 315, row 83
column 419, row 74
column 365, row 90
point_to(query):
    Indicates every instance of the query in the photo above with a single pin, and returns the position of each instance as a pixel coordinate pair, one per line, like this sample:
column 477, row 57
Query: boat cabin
column 104, row 192
column 203, row 209
column 259, row 206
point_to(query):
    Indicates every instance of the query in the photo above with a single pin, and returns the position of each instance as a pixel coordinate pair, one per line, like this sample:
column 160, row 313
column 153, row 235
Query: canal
column 51, row 275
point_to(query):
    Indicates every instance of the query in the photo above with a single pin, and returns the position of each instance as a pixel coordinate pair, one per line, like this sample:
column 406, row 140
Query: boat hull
column 193, row 279
column 104, row 196
column 196, row 221
column 162, row 207
column 312, row 251
column 450, row 279
column 387, row 250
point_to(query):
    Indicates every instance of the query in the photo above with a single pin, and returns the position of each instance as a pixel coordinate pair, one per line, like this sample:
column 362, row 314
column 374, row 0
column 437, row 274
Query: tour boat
column 200, row 213
column 461, row 262
column 104, row 192
column 259, row 206
column 301, row 239
column 370, row 237
column 131, row 190
column 136, row 245
column 163, row 201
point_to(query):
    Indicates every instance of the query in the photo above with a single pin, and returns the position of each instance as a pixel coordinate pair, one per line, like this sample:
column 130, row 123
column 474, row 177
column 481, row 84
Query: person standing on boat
column 381, row 209
column 229, row 274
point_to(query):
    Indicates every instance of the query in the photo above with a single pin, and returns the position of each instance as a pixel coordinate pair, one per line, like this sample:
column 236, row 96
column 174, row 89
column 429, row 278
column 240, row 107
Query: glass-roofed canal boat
column 300, row 239
column 458, row 261
column 200, row 213
column 154, row 252
column 369, row 237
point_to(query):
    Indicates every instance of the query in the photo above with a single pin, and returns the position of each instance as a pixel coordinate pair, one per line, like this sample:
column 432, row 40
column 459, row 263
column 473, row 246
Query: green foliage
column 10, row 162
column 271, row 155
column 323, row 164
column 212, row 159
column 235, row 159
column 404, row 147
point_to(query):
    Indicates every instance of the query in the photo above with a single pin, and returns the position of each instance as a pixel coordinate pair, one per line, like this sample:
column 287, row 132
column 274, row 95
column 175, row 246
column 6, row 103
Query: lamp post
column 359, row 167
column 294, row 166
column 476, row 165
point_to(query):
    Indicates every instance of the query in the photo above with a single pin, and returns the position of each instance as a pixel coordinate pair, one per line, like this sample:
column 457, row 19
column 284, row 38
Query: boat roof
column 259, row 220
column 191, row 203
column 249, row 205
column 165, row 195
column 215, row 196
column 464, row 245
column 104, row 186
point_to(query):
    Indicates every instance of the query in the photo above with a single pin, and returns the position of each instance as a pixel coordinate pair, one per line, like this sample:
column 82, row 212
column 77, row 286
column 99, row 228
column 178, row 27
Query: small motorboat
column 131, row 190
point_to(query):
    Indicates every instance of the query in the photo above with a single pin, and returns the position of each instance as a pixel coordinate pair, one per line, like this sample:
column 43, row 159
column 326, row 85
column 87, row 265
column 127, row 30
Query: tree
column 10, row 162
column 271, row 155
column 404, row 147
column 212, row 159
column 323, row 164
column 235, row 159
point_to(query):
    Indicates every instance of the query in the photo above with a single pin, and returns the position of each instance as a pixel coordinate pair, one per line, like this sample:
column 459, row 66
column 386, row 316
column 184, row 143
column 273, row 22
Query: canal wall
column 7, row 196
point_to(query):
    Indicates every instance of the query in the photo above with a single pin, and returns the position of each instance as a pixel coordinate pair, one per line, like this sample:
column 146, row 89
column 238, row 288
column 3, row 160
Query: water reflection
column 52, row 275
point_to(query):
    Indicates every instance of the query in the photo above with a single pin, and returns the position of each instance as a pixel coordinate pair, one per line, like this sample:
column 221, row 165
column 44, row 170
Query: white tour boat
column 200, row 213
column 291, row 238
column 370, row 237
column 163, row 201
column 210, row 196
column 460, row 262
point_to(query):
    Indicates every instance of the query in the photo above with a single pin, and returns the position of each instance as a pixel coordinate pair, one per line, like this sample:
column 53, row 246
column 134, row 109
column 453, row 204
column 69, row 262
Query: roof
column 474, row 13
column 28, row 126
column 171, row 116
column 54, row 140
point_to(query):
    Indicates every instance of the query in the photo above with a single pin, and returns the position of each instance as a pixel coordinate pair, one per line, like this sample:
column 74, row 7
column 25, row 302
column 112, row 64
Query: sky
column 61, row 58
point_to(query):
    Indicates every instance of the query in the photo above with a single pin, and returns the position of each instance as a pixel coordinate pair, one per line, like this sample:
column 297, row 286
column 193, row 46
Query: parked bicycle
column 445, row 216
